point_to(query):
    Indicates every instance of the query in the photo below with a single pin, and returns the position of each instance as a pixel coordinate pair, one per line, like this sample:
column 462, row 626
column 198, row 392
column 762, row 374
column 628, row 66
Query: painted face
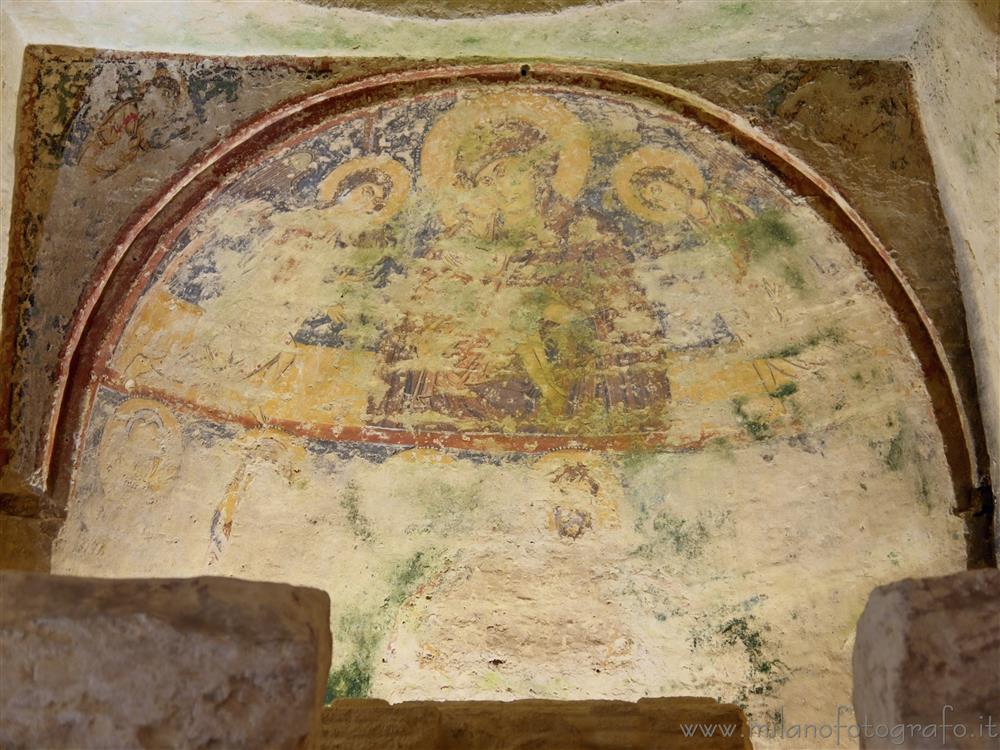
column 366, row 198
column 668, row 192
column 364, row 193
column 661, row 186
column 584, row 493
column 504, row 196
column 489, row 172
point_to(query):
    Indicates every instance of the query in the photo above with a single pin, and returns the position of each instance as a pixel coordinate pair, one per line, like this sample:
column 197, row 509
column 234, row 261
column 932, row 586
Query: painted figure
column 145, row 121
column 516, row 318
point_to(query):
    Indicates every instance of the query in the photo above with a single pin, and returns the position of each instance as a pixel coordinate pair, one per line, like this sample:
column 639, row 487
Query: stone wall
column 195, row 663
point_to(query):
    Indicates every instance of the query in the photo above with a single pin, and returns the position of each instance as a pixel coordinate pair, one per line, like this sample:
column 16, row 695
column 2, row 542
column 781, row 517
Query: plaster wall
column 955, row 78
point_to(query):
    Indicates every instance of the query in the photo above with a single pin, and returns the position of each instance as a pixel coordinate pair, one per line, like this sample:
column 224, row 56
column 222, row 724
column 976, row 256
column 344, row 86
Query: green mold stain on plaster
column 740, row 629
column 824, row 336
column 784, row 390
column 737, row 10
column 672, row 535
column 362, row 631
column 359, row 523
column 311, row 34
column 760, row 236
column 756, row 425
column 676, row 534
column 794, row 277
column 407, row 576
column 900, row 449
column 894, row 455
column 969, row 149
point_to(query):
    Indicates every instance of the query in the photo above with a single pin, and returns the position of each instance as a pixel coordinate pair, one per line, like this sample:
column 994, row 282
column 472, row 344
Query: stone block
column 160, row 663
column 649, row 724
column 927, row 663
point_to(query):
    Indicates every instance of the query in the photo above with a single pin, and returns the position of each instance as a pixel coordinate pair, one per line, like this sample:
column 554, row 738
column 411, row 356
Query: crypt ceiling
column 561, row 382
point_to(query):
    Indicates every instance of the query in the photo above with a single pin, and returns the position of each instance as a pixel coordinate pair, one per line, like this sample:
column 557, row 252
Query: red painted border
column 127, row 267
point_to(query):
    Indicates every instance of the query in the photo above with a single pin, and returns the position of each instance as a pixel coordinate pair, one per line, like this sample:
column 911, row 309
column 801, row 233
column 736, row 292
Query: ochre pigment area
column 556, row 392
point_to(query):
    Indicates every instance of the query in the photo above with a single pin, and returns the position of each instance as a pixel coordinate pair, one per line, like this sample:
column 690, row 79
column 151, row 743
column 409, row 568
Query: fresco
column 557, row 393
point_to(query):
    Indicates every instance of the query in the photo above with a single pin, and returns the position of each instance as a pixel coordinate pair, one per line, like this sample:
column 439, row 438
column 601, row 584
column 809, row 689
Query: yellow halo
column 677, row 185
column 130, row 459
column 361, row 201
column 561, row 129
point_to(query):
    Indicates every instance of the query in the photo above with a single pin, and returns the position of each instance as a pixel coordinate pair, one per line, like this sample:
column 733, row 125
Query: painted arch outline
column 122, row 278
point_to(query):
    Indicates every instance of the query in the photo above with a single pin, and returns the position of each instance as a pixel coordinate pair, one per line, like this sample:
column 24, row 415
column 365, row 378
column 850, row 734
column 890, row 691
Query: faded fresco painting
column 557, row 393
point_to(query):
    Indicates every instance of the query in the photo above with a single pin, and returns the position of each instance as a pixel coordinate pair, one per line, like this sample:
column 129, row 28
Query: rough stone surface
column 26, row 543
column 924, row 645
column 540, row 725
column 192, row 663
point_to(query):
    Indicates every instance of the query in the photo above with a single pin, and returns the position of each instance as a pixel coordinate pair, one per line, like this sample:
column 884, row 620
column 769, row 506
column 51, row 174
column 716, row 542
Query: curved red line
column 859, row 237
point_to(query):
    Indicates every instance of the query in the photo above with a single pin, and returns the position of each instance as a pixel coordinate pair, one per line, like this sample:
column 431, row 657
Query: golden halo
column 370, row 188
column 561, row 129
column 140, row 449
column 673, row 190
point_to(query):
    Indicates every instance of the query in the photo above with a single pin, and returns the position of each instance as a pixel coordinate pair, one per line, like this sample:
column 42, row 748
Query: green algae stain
column 794, row 277
column 675, row 535
column 361, row 631
column 895, row 457
column 760, row 236
column 784, row 390
column 737, row 10
column 766, row 673
column 406, row 577
column 737, row 628
column 298, row 35
column 358, row 521
column 353, row 680
column 825, row 336
column 754, row 424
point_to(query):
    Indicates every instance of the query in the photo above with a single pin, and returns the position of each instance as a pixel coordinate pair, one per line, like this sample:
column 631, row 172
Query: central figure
column 522, row 315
